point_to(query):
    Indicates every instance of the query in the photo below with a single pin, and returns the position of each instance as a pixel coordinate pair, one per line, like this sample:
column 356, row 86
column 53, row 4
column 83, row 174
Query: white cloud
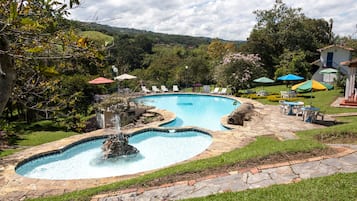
column 226, row 19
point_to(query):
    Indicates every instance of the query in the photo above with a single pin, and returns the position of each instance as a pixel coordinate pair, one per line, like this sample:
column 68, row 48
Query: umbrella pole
column 311, row 94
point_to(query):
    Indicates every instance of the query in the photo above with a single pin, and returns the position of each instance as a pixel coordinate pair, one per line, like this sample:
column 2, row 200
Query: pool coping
column 14, row 185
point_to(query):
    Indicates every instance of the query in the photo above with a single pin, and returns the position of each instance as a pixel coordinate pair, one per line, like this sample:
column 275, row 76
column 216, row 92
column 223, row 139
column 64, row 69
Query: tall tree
column 29, row 31
column 283, row 27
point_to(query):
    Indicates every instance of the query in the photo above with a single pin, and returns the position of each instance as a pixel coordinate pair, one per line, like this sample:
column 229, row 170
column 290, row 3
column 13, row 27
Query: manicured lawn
column 332, row 188
column 35, row 134
column 7, row 152
column 41, row 137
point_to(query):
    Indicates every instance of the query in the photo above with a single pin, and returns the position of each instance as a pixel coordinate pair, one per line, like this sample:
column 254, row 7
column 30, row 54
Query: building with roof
column 332, row 56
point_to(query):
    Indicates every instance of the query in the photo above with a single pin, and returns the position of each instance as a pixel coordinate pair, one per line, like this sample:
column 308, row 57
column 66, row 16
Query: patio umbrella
column 328, row 71
column 290, row 77
column 101, row 80
column 263, row 80
column 124, row 77
column 309, row 85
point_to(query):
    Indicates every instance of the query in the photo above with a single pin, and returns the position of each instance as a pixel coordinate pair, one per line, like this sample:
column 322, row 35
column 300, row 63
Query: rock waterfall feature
column 117, row 144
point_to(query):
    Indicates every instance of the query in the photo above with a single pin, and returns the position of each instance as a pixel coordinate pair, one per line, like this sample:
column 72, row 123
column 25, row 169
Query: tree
column 283, row 27
column 293, row 62
column 238, row 71
column 29, row 31
column 217, row 49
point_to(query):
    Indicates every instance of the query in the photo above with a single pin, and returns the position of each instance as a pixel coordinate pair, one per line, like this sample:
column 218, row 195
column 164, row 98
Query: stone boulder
column 243, row 113
column 117, row 145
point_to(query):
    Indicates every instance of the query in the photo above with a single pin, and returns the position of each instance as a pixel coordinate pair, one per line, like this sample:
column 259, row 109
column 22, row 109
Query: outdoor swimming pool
column 157, row 149
column 203, row 111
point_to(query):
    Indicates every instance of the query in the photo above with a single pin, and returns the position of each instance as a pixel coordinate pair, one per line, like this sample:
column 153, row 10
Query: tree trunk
column 7, row 74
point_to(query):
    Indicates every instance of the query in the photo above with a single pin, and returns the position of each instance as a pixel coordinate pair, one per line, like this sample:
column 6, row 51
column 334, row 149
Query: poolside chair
column 284, row 108
column 164, row 89
column 215, row 91
column 284, row 94
column 298, row 109
column 223, row 91
column 175, row 88
column 155, row 89
column 145, row 90
column 206, row 88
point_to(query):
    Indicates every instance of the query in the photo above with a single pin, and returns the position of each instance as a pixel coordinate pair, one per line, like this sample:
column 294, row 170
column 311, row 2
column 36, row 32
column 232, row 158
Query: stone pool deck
column 269, row 122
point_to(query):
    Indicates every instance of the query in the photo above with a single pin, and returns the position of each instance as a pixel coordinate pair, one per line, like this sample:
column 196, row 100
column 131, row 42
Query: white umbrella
column 125, row 77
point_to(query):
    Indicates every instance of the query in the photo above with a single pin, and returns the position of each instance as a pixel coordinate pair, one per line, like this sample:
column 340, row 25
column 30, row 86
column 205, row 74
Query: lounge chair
column 155, row 89
column 145, row 90
column 206, row 88
column 164, row 89
column 175, row 88
column 223, row 91
column 215, row 91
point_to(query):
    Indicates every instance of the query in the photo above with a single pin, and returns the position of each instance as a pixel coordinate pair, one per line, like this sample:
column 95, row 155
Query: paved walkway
column 258, row 177
column 269, row 121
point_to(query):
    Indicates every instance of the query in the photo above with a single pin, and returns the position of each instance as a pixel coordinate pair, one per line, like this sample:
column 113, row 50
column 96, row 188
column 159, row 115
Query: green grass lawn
column 41, row 137
column 7, row 152
column 35, row 134
column 331, row 188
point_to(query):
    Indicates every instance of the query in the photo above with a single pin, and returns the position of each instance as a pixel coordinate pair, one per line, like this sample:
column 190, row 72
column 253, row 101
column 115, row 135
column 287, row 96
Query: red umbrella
column 101, row 80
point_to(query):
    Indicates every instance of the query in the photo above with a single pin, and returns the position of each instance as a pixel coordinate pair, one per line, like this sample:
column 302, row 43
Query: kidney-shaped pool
column 157, row 148
column 85, row 160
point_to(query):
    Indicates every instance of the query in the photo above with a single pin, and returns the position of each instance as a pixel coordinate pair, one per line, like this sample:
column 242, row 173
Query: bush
column 277, row 98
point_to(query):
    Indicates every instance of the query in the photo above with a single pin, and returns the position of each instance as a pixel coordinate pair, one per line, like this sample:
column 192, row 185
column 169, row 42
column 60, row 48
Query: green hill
column 98, row 37
column 157, row 38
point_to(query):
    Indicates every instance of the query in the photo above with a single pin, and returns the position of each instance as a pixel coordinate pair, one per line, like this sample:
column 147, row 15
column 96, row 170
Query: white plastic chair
column 215, row 90
column 175, row 88
column 164, row 89
column 283, row 107
column 206, row 88
column 145, row 90
column 223, row 91
column 155, row 89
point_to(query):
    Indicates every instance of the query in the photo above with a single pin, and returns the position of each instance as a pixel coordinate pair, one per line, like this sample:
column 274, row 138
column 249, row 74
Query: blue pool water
column 193, row 110
column 157, row 149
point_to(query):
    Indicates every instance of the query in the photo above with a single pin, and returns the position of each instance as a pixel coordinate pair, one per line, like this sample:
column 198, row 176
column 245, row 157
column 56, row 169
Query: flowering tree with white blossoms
column 238, row 71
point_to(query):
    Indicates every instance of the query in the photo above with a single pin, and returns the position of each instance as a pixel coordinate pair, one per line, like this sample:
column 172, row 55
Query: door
column 329, row 60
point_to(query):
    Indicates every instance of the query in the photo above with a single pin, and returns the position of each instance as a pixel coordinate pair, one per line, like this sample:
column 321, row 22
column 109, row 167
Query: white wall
column 339, row 55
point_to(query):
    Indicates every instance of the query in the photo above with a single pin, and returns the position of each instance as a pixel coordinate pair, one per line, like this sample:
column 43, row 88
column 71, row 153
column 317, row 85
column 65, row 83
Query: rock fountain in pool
column 117, row 144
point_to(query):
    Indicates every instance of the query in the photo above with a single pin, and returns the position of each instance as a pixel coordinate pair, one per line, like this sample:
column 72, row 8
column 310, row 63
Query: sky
column 224, row 19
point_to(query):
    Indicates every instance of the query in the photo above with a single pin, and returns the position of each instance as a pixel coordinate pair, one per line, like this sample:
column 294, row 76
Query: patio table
column 309, row 113
column 291, row 106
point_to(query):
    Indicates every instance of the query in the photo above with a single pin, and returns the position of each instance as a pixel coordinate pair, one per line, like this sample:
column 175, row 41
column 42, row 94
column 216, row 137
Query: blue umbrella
column 290, row 77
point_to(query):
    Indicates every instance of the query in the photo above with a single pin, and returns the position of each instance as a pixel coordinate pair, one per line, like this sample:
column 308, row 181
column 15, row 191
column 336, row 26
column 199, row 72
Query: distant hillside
column 158, row 38
column 98, row 37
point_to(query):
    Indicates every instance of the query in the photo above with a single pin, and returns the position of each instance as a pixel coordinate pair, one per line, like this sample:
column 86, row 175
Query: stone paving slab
column 264, row 177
